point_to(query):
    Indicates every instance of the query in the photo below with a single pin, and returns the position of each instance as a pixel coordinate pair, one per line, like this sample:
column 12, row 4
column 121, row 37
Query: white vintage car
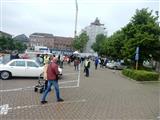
column 21, row 68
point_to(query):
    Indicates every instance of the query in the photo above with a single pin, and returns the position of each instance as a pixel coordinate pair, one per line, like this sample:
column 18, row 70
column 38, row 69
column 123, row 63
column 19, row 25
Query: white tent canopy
column 76, row 52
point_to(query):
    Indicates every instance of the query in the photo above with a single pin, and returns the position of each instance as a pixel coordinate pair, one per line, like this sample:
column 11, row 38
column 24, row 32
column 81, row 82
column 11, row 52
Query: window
column 18, row 63
column 13, row 63
column 31, row 64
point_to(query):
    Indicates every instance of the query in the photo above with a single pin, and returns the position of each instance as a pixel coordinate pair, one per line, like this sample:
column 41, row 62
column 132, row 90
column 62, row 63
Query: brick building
column 50, row 41
column 41, row 39
column 63, row 43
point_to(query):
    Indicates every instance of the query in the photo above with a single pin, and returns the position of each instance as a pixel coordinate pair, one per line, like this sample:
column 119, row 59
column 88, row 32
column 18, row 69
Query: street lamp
column 76, row 16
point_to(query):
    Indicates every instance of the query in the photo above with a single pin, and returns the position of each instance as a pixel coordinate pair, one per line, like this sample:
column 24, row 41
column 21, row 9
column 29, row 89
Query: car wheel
column 5, row 75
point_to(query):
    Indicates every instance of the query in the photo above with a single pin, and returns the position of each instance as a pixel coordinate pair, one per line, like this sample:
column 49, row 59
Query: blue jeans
column 56, row 87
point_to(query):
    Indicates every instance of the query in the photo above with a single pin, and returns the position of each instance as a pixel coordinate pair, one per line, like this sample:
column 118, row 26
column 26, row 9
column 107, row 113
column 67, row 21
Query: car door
column 33, row 69
column 17, row 68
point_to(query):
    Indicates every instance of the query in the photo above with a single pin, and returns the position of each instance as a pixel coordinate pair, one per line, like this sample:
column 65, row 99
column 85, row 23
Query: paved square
column 105, row 95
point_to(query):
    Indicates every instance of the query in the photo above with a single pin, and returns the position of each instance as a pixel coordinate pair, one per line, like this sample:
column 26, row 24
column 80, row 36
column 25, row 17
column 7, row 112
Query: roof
column 96, row 22
column 22, row 38
column 62, row 38
column 6, row 34
column 42, row 34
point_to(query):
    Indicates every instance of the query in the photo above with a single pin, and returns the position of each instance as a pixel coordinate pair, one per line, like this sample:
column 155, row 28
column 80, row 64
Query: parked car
column 116, row 65
column 21, row 68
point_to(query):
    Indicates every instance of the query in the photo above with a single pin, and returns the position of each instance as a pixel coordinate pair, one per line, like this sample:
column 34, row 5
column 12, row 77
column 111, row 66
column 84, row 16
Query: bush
column 141, row 75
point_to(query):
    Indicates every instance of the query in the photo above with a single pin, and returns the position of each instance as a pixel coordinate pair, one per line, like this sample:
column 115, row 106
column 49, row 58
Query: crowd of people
column 51, row 64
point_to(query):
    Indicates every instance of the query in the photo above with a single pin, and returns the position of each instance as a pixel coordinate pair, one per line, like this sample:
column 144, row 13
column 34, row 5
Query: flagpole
column 76, row 16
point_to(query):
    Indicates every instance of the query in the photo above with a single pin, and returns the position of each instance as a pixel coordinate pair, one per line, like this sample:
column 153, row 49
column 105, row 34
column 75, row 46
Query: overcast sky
column 58, row 16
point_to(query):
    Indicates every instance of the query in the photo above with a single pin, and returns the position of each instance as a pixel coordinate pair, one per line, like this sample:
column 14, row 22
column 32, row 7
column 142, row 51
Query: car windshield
column 40, row 65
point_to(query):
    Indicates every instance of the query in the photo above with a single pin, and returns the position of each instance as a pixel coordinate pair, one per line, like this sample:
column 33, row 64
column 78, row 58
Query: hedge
column 141, row 75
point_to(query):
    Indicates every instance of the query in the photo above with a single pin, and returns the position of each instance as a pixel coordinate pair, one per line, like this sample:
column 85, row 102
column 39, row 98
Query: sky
column 57, row 17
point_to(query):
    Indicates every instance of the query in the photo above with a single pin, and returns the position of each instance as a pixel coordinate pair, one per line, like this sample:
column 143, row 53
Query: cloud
column 58, row 16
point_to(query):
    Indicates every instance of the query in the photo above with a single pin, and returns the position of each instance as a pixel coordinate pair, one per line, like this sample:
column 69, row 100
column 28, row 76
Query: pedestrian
column 1, row 58
column 52, row 77
column 46, row 58
column 61, row 61
column 96, row 62
column 82, row 60
column 106, row 61
column 87, row 66
column 102, row 63
column 45, row 76
column 17, row 56
column 76, row 63
column 38, row 59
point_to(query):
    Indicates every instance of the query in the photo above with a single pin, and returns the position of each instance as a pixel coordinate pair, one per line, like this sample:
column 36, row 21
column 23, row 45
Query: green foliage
column 114, row 45
column 80, row 42
column 141, row 75
column 99, row 45
column 8, row 44
column 142, row 31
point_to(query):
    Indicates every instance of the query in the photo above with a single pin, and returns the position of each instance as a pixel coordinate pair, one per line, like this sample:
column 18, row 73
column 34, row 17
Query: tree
column 7, row 44
column 99, row 45
column 80, row 42
column 142, row 31
column 114, row 45
column 20, row 46
column 76, row 43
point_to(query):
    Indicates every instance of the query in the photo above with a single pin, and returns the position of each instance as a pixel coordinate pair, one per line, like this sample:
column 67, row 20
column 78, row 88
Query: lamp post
column 76, row 16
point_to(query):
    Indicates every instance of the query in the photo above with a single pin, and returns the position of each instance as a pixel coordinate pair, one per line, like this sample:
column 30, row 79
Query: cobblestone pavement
column 105, row 95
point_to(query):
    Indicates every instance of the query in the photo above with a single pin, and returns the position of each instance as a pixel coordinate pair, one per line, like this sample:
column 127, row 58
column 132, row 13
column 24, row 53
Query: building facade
column 41, row 39
column 63, row 43
column 57, row 43
column 92, row 31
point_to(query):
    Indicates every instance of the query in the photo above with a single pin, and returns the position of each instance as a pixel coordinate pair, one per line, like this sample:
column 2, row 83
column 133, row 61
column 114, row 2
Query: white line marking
column 68, row 81
column 29, row 87
column 31, row 106
column 4, row 108
column 69, row 86
column 17, row 89
column 79, row 75
column 70, row 73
